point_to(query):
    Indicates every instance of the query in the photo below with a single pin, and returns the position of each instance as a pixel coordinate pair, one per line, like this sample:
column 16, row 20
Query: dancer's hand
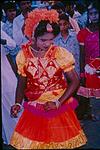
column 50, row 106
column 14, row 110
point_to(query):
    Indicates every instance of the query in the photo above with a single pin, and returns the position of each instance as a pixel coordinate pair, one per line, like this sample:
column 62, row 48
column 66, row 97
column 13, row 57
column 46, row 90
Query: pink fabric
column 91, row 47
column 90, row 40
column 93, row 80
column 91, row 43
column 89, row 92
column 39, row 110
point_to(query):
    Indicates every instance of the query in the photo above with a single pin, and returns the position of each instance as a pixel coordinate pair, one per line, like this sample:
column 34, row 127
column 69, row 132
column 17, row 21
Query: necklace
column 38, row 53
column 34, row 49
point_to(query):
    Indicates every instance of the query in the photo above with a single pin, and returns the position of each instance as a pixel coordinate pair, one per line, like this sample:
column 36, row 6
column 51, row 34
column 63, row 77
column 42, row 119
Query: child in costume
column 48, row 120
column 89, row 62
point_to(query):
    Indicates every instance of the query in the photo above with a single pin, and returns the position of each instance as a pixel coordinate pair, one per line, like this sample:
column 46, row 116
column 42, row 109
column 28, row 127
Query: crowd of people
column 50, row 57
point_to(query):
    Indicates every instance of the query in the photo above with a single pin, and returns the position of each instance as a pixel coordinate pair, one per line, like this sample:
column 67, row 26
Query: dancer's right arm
column 21, row 85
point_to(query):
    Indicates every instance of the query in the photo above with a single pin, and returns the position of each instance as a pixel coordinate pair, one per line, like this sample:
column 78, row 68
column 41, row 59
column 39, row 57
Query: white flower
column 89, row 69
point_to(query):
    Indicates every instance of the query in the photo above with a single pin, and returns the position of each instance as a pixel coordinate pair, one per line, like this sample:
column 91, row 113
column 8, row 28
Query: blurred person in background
column 89, row 62
column 18, row 23
column 10, row 10
column 8, row 88
column 59, row 7
column 68, row 39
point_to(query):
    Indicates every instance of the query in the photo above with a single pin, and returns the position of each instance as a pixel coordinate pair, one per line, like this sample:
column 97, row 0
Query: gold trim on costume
column 49, row 96
column 20, row 142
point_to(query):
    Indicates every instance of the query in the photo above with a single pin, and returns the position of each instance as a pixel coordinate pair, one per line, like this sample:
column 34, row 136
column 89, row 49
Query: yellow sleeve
column 20, row 61
column 65, row 59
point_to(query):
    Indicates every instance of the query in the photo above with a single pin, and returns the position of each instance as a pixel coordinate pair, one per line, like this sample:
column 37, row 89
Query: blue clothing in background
column 72, row 45
column 8, row 28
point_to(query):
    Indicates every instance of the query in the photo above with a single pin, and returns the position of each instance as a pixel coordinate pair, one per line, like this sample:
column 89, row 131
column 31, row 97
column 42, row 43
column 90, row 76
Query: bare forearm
column 72, row 87
column 20, row 89
column 13, row 66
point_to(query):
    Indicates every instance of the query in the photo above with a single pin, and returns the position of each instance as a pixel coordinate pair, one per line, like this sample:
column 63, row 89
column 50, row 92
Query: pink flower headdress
column 37, row 15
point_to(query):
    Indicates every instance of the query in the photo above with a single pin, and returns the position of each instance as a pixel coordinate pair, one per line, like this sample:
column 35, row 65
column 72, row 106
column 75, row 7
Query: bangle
column 18, row 104
column 57, row 103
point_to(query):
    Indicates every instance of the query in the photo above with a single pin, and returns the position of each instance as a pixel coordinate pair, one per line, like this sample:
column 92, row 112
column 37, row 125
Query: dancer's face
column 43, row 42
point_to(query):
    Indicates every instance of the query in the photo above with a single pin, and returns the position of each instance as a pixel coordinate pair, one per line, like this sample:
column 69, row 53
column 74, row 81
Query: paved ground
column 91, row 129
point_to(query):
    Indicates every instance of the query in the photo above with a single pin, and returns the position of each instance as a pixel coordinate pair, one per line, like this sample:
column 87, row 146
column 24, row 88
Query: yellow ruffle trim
column 65, row 59
column 20, row 142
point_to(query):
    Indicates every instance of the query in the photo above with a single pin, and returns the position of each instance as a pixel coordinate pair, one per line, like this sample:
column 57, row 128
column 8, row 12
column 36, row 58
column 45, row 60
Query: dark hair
column 19, row 2
column 58, row 5
column 80, row 7
column 41, row 28
column 64, row 17
column 95, row 5
column 9, row 5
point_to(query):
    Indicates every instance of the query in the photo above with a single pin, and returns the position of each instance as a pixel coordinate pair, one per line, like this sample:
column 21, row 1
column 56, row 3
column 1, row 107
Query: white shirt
column 17, row 30
column 5, row 36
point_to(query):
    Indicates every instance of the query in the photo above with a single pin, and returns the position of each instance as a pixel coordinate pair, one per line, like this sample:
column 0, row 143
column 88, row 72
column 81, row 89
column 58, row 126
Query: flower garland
column 37, row 15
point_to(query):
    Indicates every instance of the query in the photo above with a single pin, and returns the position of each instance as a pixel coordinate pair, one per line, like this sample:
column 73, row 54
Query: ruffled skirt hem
column 89, row 92
column 41, row 132
column 20, row 142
